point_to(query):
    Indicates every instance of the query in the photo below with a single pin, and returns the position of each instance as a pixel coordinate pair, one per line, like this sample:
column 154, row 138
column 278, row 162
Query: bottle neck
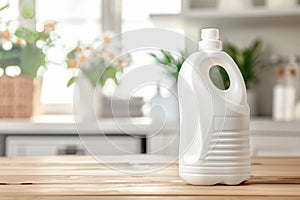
column 208, row 44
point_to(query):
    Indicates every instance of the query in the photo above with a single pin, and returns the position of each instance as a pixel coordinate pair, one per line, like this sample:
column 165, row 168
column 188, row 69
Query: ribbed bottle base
column 226, row 162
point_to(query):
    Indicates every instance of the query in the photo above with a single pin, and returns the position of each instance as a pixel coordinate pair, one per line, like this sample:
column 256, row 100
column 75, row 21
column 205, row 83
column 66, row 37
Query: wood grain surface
column 83, row 177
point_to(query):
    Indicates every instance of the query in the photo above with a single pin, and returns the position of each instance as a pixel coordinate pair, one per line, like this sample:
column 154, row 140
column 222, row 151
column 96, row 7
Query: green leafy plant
column 247, row 59
column 25, row 48
column 172, row 63
column 101, row 64
column 4, row 7
column 219, row 77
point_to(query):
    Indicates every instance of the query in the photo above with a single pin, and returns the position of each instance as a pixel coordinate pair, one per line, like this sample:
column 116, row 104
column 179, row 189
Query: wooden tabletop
column 83, row 177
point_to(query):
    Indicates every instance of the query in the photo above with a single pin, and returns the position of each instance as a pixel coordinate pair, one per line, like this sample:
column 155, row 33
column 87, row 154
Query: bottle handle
column 237, row 89
column 236, row 93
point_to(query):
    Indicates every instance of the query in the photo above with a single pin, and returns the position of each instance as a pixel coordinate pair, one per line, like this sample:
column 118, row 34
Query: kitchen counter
column 72, row 177
column 65, row 124
column 61, row 131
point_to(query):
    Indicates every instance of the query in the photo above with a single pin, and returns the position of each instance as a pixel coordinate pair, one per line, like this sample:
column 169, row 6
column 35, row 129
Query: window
column 133, row 18
column 78, row 20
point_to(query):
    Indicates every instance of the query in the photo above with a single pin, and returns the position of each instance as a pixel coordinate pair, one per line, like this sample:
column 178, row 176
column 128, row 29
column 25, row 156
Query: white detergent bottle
column 214, row 123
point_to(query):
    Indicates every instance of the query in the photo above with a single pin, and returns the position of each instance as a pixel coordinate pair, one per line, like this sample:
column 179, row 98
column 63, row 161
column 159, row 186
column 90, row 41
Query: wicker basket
column 16, row 96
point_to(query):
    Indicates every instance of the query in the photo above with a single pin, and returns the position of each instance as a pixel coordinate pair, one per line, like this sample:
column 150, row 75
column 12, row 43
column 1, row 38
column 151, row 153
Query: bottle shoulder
column 210, row 53
column 220, row 56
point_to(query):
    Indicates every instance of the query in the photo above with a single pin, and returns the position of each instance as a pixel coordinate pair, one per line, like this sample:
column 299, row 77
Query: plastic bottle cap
column 210, row 33
column 210, row 39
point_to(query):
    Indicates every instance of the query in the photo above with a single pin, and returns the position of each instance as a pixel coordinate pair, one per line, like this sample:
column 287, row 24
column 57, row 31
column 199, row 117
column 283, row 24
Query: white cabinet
column 270, row 138
column 59, row 135
column 164, row 143
column 63, row 145
column 272, row 144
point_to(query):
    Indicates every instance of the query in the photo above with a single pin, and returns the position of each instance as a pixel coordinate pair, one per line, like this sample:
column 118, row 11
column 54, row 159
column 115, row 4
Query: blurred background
column 48, row 46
